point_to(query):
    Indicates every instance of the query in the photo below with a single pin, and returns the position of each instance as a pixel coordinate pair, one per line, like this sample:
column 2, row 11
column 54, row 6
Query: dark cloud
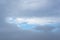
column 49, row 27
column 11, row 32
column 45, row 28
column 29, row 36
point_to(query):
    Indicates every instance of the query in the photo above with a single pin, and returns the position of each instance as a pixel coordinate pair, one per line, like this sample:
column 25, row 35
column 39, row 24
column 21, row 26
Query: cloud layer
column 37, row 12
column 33, row 8
column 37, row 24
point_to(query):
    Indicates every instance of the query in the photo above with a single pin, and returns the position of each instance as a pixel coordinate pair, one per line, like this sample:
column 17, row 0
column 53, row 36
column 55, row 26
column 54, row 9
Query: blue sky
column 29, row 19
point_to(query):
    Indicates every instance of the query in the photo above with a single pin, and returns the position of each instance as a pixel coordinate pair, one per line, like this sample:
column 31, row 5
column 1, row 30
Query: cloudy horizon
column 29, row 20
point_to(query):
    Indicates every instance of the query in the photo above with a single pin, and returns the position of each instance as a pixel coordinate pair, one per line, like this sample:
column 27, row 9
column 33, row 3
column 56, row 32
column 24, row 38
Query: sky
column 29, row 20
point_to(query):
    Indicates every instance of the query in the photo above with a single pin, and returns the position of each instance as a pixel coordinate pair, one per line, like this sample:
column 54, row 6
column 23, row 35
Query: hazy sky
column 29, row 20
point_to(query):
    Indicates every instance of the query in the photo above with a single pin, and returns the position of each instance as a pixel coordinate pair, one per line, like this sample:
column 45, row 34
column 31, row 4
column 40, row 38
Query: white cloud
column 38, row 21
column 35, row 23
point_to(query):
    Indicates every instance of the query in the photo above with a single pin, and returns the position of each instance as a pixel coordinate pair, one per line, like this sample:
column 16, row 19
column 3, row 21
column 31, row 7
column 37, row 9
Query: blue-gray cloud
column 11, row 8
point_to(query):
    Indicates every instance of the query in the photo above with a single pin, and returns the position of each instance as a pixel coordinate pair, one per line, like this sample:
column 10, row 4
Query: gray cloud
column 45, row 28
column 53, row 27
column 12, row 9
column 29, row 36
column 11, row 32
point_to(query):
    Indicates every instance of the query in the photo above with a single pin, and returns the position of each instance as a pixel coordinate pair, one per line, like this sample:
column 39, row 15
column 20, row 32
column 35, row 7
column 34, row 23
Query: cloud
column 14, row 8
column 37, row 24
column 26, row 8
column 33, row 20
column 52, row 27
column 32, row 4
column 45, row 28
column 29, row 36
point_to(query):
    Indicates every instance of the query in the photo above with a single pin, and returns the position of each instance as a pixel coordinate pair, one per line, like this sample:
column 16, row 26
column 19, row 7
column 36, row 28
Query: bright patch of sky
column 32, row 23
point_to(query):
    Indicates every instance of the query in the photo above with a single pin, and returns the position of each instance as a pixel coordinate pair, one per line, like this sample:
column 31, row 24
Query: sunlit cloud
column 45, row 24
column 35, row 20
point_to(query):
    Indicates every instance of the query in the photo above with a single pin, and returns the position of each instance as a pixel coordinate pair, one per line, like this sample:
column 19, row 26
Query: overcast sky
column 29, row 19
